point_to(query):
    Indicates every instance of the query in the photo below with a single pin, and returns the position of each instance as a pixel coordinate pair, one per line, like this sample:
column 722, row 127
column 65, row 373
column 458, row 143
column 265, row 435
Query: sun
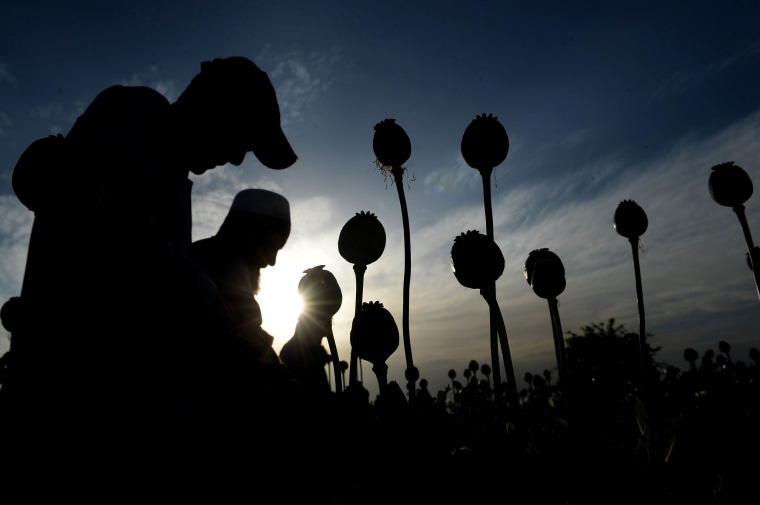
column 280, row 302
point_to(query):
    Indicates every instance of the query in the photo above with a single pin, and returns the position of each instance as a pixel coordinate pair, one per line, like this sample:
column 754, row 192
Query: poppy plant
column 361, row 242
column 485, row 145
column 322, row 297
column 392, row 149
column 545, row 273
column 374, row 337
column 477, row 262
column 630, row 221
column 731, row 186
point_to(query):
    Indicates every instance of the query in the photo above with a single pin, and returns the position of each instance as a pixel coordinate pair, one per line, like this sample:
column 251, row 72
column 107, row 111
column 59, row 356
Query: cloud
column 14, row 240
column 696, row 283
column 167, row 87
column 679, row 81
column 302, row 78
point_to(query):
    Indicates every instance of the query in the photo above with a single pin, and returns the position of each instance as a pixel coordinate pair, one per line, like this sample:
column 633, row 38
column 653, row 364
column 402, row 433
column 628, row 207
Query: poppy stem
column 359, row 272
column 334, row 353
column 398, row 174
column 496, row 317
column 739, row 209
column 494, row 342
column 559, row 349
column 507, row 356
column 381, row 372
column 639, row 300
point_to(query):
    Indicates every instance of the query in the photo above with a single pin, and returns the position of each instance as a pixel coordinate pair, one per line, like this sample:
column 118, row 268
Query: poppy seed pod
column 545, row 273
column 476, row 260
column 362, row 239
column 729, row 184
column 374, row 333
column 320, row 292
column 391, row 144
column 485, row 142
column 630, row 220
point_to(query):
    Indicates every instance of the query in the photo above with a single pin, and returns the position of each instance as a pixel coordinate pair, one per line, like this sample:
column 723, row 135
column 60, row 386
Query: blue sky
column 601, row 103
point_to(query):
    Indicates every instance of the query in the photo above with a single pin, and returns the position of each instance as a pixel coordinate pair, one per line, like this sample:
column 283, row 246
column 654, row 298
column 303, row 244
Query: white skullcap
column 262, row 202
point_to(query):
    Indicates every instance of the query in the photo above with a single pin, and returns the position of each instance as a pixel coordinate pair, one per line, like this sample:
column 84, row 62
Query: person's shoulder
column 203, row 245
column 122, row 109
column 120, row 93
column 119, row 101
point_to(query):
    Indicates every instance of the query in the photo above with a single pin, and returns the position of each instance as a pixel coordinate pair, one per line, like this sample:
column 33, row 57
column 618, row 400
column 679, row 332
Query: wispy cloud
column 15, row 227
column 679, row 81
column 696, row 282
column 302, row 78
column 167, row 87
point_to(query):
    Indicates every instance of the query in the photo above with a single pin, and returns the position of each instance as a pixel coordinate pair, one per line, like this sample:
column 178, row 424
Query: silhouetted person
column 110, row 288
column 256, row 227
column 243, row 404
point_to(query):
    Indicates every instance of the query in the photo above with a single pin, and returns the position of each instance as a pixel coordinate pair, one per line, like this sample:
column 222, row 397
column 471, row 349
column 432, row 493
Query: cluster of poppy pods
column 477, row 261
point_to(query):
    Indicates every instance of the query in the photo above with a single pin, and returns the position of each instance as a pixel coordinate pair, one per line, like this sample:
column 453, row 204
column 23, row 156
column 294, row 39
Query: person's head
column 228, row 109
column 258, row 224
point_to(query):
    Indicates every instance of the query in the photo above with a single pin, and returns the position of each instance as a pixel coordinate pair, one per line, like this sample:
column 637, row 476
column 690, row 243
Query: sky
column 602, row 102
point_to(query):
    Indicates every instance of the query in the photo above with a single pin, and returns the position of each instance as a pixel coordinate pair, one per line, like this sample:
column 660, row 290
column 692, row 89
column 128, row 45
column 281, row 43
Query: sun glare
column 280, row 302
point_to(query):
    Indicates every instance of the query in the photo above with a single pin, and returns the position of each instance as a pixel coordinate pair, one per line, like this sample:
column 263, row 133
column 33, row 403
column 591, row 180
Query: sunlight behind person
column 279, row 300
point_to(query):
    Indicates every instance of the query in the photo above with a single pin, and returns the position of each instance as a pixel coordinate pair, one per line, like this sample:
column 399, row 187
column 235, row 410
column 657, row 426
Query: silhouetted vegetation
column 667, row 435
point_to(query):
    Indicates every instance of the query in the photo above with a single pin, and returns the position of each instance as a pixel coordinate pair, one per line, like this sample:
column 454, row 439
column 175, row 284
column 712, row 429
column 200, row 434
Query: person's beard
column 255, row 278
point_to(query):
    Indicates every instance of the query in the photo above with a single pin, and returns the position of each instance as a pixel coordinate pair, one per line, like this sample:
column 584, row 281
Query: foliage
column 605, row 357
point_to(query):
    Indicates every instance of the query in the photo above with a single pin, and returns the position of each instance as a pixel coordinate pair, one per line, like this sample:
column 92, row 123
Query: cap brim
column 273, row 149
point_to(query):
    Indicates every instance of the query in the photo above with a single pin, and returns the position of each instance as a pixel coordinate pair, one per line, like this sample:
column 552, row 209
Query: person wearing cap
column 110, row 283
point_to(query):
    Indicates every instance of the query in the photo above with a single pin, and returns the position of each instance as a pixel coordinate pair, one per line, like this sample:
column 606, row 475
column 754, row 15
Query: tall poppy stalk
column 631, row 222
column 477, row 263
column 731, row 186
column 545, row 273
column 392, row 149
column 485, row 145
column 361, row 242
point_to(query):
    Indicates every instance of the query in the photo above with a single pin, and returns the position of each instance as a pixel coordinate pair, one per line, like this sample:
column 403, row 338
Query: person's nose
column 271, row 258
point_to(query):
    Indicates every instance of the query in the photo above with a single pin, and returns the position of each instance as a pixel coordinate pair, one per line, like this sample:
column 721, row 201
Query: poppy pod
column 320, row 292
column 476, row 260
column 485, row 142
column 362, row 239
column 374, row 334
column 545, row 273
column 630, row 220
column 729, row 184
column 391, row 144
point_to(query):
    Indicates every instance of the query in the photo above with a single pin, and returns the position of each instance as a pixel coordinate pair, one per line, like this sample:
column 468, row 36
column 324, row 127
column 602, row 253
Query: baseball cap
column 245, row 89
